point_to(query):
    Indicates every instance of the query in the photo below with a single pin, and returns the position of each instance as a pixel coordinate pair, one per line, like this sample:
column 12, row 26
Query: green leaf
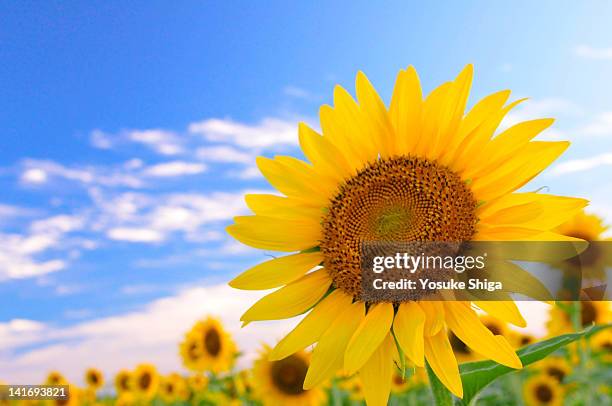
column 441, row 395
column 477, row 375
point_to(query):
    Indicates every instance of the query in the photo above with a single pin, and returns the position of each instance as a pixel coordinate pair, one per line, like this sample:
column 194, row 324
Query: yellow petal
column 408, row 329
column 406, row 110
column 291, row 300
column 328, row 355
column 442, row 360
column 325, row 157
column 524, row 166
column 276, row 272
column 377, row 373
column 433, row 108
column 270, row 233
column 295, row 178
column 434, row 316
column 482, row 111
column 283, row 207
column 466, row 325
column 312, row 327
column 370, row 333
column 376, row 117
column 346, row 119
column 453, row 111
column 504, row 310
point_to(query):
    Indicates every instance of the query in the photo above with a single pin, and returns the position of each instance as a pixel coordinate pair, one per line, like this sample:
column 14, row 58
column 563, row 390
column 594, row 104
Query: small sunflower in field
column 123, row 381
column 145, row 381
column 55, row 378
column 208, row 347
column 74, row 397
column 94, row 378
column 591, row 263
column 543, row 390
column 197, row 382
column 555, row 367
column 420, row 170
column 601, row 345
column 278, row 383
column 559, row 320
column 173, row 388
column 519, row 339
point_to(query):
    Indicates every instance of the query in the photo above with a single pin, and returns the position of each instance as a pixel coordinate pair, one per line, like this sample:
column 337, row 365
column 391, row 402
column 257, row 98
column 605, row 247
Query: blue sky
column 129, row 131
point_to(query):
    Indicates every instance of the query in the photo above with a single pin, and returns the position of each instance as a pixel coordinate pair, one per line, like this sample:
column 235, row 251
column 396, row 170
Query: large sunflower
column 420, row 170
column 278, row 383
column 208, row 347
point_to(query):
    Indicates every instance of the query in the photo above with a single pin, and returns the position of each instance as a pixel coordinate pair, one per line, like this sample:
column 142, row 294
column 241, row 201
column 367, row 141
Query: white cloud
column 580, row 165
column 224, row 153
column 268, row 132
column 40, row 171
column 162, row 141
column 139, row 217
column 19, row 253
column 150, row 334
column 34, row 176
column 174, row 168
column 101, row 140
column 135, row 234
column 542, row 108
column 590, row 52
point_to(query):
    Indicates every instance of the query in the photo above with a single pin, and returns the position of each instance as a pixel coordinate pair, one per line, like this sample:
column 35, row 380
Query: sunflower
column 197, row 382
column 145, row 381
column 281, row 382
column 420, row 170
column 543, row 390
column 173, row 388
column 94, row 378
column 208, row 347
column 74, row 397
column 55, row 378
column 519, row 339
column 555, row 367
column 559, row 320
column 123, row 381
column 594, row 260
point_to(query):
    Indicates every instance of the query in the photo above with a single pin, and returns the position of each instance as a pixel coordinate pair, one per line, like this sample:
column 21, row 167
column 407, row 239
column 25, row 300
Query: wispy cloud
column 589, row 52
column 266, row 133
column 162, row 141
column 174, row 168
column 23, row 255
column 581, row 165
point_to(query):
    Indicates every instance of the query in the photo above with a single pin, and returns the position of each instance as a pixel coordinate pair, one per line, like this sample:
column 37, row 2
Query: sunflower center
column 145, row 380
column 124, row 383
column 401, row 199
column 288, row 375
column 543, row 393
column 212, row 342
column 93, row 378
column 556, row 373
column 494, row 329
